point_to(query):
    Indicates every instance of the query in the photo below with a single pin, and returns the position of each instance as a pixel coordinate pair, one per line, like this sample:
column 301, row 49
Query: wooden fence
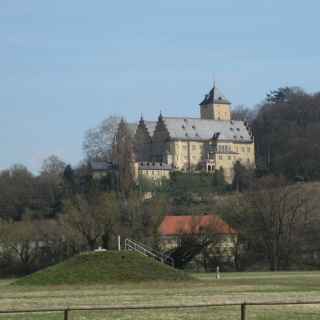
column 65, row 312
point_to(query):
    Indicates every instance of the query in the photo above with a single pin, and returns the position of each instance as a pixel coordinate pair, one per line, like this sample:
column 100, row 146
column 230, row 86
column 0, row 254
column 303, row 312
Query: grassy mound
column 103, row 268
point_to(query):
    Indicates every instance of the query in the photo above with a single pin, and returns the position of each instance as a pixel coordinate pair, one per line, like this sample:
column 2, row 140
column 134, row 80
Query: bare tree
column 21, row 240
column 240, row 112
column 93, row 218
column 276, row 212
column 53, row 166
column 141, row 218
column 97, row 144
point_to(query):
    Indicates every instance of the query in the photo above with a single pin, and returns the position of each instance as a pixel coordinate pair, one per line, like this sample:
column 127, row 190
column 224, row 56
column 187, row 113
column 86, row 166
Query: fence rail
column 243, row 307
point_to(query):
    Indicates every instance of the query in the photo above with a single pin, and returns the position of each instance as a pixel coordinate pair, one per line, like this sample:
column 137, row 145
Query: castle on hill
column 208, row 143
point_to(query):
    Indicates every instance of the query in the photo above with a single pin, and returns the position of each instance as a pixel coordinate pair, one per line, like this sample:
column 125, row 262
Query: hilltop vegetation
column 46, row 218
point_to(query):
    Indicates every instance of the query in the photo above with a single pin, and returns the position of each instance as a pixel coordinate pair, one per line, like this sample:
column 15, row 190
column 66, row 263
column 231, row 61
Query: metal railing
column 136, row 246
column 243, row 308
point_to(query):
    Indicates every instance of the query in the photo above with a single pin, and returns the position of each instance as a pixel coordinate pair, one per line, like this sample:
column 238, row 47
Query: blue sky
column 67, row 65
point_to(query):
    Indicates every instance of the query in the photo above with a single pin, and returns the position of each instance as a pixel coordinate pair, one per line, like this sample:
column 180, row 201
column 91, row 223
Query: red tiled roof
column 177, row 225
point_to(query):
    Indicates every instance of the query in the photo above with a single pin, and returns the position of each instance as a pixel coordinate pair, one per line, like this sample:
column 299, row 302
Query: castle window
column 183, row 127
column 238, row 129
column 186, row 134
column 231, row 129
column 235, row 137
column 241, row 137
column 194, row 147
column 220, row 157
column 194, row 127
column 248, row 149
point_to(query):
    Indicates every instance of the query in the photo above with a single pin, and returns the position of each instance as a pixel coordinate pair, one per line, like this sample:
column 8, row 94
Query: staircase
column 140, row 248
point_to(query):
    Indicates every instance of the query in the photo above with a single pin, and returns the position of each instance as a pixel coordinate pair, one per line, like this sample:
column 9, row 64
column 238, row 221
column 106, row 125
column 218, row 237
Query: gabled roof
column 204, row 129
column 187, row 225
column 151, row 126
column 214, row 96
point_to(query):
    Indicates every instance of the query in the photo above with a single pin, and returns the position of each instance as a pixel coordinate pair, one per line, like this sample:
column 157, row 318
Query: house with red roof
column 189, row 236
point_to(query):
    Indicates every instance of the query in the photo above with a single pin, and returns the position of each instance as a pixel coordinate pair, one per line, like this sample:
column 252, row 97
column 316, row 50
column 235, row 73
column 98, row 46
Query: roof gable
column 187, row 225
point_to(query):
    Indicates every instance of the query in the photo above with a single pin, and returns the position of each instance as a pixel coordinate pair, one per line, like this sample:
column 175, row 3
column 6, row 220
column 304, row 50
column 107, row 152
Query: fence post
column 66, row 314
column 243, row 311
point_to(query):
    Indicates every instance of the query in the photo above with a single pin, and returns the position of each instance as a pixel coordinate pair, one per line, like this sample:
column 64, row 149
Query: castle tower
column 215, row 106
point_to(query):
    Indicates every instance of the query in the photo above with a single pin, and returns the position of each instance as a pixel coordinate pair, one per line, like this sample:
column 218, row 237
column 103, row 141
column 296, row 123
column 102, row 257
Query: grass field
column 233, row 287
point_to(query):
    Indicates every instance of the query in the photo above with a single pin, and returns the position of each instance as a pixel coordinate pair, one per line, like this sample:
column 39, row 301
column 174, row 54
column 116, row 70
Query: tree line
column 61, row 211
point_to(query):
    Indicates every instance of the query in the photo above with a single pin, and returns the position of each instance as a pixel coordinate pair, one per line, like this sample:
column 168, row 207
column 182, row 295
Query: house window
column 248, row 149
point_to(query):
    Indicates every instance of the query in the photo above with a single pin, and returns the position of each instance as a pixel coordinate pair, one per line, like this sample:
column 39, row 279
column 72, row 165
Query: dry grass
column 233, row 287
